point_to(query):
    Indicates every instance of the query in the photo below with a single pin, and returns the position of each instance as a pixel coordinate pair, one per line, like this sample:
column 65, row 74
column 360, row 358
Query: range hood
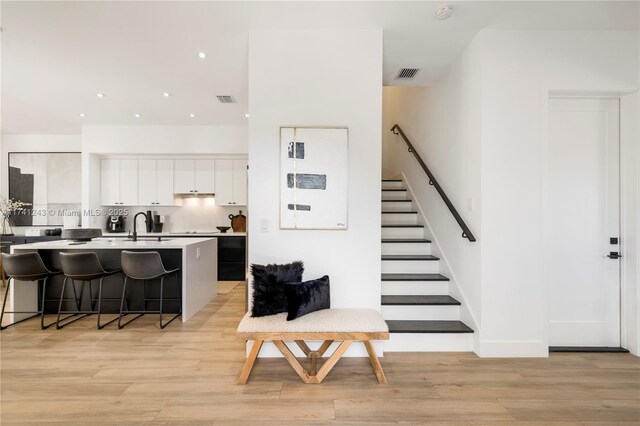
column 194, row 194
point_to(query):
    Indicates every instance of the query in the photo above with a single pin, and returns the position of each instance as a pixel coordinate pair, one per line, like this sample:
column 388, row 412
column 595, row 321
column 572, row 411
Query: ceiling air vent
column 407, row 73
column 225, row 99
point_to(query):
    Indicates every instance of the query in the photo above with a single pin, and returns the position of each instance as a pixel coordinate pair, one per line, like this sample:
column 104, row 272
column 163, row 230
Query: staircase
column 416, row 304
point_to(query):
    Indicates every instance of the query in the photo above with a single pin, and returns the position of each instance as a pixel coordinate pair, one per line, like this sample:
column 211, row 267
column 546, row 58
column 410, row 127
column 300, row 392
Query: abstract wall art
column 50, row 182
column 313, row 177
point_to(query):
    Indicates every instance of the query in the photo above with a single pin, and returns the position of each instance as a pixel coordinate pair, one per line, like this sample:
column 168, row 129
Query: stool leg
column 101, row 326
column 44, row 292
column 64, row 285
column 162, row 326
column 122, row 302
column 78, row 304
column 4, row 303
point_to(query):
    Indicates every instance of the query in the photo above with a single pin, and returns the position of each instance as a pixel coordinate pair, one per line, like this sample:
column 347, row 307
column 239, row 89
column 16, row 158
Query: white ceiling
column 57, row 55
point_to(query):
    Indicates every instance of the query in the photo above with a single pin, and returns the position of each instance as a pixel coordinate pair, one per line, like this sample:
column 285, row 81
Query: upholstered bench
column 346, row 325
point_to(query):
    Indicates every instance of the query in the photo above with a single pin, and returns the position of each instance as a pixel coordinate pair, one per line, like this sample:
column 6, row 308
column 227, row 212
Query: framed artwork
column 50, row 182
column 314, row 165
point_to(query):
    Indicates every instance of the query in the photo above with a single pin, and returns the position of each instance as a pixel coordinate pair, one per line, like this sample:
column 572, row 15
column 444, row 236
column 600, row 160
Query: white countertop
column 113, row 243
column 106, row 234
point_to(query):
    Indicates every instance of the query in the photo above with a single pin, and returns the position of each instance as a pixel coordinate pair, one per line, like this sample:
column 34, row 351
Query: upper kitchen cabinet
column 193, row 176
column 155, row 183
column 119, row 182
column 231, row 182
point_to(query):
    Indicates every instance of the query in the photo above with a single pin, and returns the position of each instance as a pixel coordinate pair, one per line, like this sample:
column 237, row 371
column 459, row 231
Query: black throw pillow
column 309, row 296
column 268, row 287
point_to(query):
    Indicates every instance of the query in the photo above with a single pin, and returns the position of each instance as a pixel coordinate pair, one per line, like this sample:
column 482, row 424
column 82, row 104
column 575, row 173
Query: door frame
column 625, row 287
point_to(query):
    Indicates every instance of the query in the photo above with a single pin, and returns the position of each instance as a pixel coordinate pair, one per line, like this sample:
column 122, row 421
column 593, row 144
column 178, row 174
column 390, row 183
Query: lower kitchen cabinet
column 232, row 264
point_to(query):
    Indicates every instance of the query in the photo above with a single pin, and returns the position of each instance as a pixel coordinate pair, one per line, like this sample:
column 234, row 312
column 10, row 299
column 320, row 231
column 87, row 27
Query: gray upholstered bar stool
column 84, row 267
column 144, row 266
column 25, row 267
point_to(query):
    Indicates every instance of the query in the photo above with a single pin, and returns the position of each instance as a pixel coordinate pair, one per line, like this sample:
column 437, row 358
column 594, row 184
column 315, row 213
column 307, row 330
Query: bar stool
column 84, row 267
column 143, row 266
column 25, row 267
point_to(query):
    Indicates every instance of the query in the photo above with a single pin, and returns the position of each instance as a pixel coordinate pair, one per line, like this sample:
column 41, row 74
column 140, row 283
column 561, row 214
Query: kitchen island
column 196, row 258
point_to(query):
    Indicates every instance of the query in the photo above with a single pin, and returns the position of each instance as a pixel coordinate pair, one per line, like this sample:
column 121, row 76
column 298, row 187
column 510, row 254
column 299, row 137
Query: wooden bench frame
column 314, row 375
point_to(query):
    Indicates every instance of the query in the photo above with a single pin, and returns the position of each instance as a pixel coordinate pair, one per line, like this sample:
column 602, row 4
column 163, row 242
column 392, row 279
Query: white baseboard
column 512, row 349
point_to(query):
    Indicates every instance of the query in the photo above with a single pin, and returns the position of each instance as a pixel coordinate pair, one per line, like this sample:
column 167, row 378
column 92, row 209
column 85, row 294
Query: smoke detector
column 444, row 12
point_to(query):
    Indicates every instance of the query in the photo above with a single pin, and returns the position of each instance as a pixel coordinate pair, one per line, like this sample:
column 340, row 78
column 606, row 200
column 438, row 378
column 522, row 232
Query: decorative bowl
column 81, row 234
column 223, row 229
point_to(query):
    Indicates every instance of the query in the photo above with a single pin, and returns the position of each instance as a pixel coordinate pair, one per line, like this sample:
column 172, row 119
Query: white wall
column 630, row 220
column 165, row 139
column 483, row 128
column 319, row 78
column 519, row 70
column 199, row 215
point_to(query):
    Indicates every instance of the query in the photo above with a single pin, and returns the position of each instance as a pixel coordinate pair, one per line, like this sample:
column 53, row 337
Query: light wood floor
column 186, row 375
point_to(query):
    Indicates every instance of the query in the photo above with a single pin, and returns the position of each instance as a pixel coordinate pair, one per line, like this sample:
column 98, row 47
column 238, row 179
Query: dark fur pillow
column 309, row 296
column 268, row 287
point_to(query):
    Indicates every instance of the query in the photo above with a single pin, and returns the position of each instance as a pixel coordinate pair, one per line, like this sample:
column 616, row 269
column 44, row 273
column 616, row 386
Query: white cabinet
column 231, row 182
column 194, row 176
column 155, row 183
column 119, row 182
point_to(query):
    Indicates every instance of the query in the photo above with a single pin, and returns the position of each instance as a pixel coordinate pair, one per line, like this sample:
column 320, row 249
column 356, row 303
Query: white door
column 205, row 177
column 184, row 176
column 164, row 182
column 110, row 182
column 224, row 182
column 129, row 182
column 581, row 216
column 147, row 182
column 240, row 182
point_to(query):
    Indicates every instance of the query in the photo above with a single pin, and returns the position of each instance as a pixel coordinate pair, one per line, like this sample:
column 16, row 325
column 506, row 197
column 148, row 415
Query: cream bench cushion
column 323, row 321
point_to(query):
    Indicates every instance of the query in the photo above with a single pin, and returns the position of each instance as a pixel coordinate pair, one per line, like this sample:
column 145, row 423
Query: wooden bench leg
column 248, row 365
column 291, row 359
column 333, row 359
column 375, row 362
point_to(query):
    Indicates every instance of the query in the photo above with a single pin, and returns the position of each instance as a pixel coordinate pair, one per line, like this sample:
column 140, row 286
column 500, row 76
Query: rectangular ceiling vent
column 224, row 99
column 407, row 73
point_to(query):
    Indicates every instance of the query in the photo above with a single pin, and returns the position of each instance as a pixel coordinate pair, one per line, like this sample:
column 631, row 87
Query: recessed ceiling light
column 444, row 12
column 246, row 115
column 82, row 115
column 192, row 115
column 166, row 94
column 137, row 115
column 202, row 55
column 100, row 95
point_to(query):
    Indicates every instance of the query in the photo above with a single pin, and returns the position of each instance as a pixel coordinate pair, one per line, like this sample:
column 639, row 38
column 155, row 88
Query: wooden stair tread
column 422, row 300
column 402, row 226
column 413, row 277
column 409, row 257
column 394, row 190
column 396, row 201
column 415, row 326
column 391, row 180
column 405, row 240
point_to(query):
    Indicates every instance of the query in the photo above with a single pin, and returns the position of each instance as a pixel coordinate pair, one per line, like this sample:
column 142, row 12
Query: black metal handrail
column 466, row 232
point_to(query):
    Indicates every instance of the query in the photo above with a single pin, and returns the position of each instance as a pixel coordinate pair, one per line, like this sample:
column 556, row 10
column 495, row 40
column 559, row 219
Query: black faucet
column 135, row 233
